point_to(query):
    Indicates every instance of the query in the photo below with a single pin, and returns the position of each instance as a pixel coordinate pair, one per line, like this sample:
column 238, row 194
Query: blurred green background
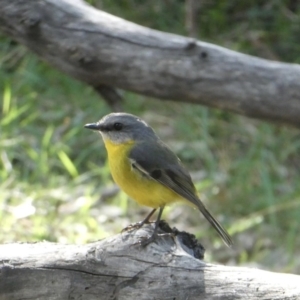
column 54, row 179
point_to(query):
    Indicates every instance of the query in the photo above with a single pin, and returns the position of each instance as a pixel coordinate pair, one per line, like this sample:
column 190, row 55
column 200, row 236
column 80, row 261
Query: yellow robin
column 147, row 170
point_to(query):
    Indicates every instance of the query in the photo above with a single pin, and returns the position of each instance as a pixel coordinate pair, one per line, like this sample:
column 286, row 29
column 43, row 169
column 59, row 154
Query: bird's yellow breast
column 144, row 190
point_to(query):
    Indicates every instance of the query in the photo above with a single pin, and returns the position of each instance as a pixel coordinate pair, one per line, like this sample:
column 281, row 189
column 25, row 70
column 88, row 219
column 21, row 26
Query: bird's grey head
column 122, row 127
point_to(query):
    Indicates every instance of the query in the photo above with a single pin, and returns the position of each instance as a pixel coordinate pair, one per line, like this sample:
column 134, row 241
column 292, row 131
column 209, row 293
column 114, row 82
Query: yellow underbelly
column 143, row 190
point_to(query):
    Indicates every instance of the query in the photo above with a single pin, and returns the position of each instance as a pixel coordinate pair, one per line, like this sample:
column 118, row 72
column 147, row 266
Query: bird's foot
column 145, row 241
column 135, row 226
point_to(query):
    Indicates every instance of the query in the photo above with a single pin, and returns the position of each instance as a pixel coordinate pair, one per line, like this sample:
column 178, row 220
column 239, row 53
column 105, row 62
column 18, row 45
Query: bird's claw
column 134, row 226
column 145, row 241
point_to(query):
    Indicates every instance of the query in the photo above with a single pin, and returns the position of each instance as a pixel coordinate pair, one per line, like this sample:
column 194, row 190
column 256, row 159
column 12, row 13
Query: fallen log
column 119, row 268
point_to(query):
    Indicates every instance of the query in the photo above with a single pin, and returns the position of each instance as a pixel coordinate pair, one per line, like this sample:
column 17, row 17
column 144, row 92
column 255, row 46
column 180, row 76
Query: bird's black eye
column 118, row 126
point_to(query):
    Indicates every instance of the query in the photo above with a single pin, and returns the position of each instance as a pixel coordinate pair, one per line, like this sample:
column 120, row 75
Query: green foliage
column 52, row 171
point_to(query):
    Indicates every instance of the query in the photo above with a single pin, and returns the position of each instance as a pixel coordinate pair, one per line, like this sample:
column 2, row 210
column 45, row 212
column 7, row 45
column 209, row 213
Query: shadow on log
column 118, row 268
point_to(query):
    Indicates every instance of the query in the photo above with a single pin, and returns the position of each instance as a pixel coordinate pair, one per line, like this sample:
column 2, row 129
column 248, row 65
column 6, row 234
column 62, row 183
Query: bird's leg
column 141, row 223
column 146, row 241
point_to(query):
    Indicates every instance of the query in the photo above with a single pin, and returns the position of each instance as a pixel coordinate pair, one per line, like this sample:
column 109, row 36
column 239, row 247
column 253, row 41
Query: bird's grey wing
column 158, row 162
column 161, row 164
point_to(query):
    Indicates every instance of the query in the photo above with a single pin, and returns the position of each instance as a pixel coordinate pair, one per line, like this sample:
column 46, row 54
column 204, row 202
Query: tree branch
column 118, row 268
column 110, row 96
column 101, row 49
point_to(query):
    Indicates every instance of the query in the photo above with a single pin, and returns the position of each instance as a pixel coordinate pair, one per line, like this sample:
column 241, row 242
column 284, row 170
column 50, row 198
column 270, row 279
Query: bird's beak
column 94, row 126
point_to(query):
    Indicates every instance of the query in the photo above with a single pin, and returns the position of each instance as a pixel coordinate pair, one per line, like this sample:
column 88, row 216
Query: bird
column 147, row 170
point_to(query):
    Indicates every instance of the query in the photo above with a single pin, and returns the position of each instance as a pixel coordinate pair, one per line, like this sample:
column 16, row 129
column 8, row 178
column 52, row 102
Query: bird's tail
column 216, row 225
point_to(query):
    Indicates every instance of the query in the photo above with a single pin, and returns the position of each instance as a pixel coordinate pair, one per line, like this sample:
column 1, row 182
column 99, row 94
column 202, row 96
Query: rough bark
column 118, row 268
column 101, row 49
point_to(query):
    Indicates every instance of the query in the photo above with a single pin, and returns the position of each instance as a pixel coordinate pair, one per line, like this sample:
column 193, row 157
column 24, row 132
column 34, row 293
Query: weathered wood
column 101, row 49
column 118, row 268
